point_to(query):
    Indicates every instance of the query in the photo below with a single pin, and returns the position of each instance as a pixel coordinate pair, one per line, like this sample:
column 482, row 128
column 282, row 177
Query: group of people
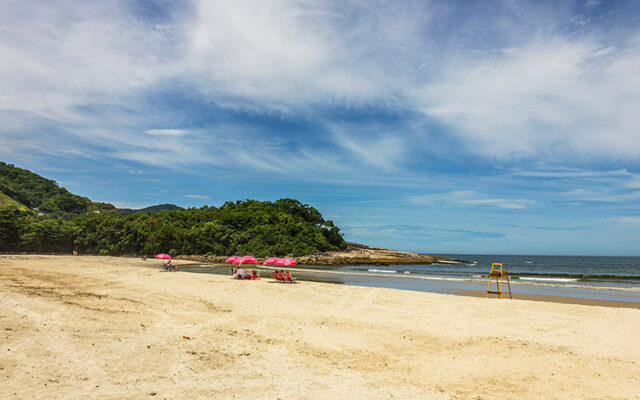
column 169, row 266
column 240, row 273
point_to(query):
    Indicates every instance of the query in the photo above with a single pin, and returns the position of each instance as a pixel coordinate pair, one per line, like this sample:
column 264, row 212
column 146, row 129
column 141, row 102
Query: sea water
column 607, row 278
column 621, row 273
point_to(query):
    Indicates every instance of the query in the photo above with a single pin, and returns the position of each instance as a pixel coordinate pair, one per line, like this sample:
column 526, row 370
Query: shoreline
column 554, row 294
column 552, row 299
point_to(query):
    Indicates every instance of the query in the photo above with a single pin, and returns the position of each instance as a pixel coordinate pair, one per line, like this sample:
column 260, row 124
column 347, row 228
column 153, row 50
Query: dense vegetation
column 23, row 190
column 252, row 227
column 64, row 222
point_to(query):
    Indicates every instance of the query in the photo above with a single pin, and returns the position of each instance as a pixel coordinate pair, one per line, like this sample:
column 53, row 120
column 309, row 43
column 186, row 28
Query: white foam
column 386, row 271
column 528, row 282
column 549, row 279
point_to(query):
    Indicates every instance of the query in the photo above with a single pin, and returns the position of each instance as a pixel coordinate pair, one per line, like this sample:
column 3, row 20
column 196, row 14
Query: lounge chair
column 281, row 276
column 254, row 274
column 288, row 277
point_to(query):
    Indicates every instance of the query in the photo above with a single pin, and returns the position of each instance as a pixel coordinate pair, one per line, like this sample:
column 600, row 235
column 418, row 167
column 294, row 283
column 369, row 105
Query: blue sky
column 445, row 127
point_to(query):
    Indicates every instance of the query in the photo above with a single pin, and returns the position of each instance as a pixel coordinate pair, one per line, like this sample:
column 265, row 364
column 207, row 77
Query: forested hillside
column 22, row 189
column 67, row 222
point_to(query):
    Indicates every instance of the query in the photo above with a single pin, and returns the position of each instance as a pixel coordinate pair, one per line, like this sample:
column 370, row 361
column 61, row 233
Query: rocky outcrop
column 203, row 259
column 354, row 254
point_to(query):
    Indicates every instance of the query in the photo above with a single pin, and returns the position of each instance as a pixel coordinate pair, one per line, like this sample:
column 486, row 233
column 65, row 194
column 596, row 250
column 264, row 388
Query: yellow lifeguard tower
column 498, row 271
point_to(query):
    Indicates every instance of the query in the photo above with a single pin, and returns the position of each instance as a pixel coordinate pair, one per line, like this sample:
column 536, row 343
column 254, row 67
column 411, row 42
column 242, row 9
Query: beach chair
column 254, row 274
column 288, row 277
column 281, row 276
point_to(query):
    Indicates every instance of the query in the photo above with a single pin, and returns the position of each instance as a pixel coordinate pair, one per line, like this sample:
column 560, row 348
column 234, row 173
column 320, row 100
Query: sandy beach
column 102, row 327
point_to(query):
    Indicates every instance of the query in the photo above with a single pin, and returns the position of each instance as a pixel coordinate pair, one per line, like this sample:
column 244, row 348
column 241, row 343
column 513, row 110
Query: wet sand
column 552, row 299
column 101, row 327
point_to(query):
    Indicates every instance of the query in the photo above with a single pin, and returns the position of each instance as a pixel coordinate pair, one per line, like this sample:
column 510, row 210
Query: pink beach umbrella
column 163, row 257
column 271, row 261
column 234, row 259
column 286, row 261
column 249, row 259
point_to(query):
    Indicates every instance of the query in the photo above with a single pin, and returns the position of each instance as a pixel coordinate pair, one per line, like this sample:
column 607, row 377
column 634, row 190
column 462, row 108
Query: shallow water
column 606, row 278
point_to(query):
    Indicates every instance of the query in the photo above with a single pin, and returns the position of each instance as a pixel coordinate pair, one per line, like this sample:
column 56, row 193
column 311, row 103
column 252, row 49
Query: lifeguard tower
column 498, row 272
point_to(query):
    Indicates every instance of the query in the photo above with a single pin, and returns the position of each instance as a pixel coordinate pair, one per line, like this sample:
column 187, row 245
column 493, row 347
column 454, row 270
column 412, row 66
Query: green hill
column 260, row 228
column 25, row 190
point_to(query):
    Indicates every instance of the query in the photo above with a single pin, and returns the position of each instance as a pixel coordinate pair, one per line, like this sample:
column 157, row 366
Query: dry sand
column 107, row 328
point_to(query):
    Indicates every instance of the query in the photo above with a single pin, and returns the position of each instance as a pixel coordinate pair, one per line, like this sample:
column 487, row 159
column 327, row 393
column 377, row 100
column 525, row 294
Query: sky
column 457, row 127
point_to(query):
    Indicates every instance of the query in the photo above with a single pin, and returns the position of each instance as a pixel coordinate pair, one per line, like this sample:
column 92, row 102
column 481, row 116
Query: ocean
column 616, row 273
column 604, row 278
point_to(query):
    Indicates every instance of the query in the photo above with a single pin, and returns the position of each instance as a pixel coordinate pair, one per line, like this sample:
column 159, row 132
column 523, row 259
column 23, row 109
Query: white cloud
column 68, row 54
column 516, row 204
column 519, row 95
column 197, row 196
column 635, row 220
column 385, row 152
column 470, row 198
column 542, row 95
column 293, row 53
column 166, row 132
column 574, row 173
column 549, row 97
column 604, row 194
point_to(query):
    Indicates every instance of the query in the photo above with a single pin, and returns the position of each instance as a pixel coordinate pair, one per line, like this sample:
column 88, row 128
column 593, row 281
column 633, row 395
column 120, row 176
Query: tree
column 9, row 230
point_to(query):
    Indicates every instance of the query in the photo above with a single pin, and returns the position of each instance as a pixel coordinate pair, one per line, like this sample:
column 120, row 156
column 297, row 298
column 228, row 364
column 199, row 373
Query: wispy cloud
column 634, row 220
column 470, row 198
column 166, row 132
column 433, row 235
column 602, row 195
column 385, row 152
column 574, row 173
column 552, row 92
column 197, row 196
column 556, row 96
column 562, row 228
